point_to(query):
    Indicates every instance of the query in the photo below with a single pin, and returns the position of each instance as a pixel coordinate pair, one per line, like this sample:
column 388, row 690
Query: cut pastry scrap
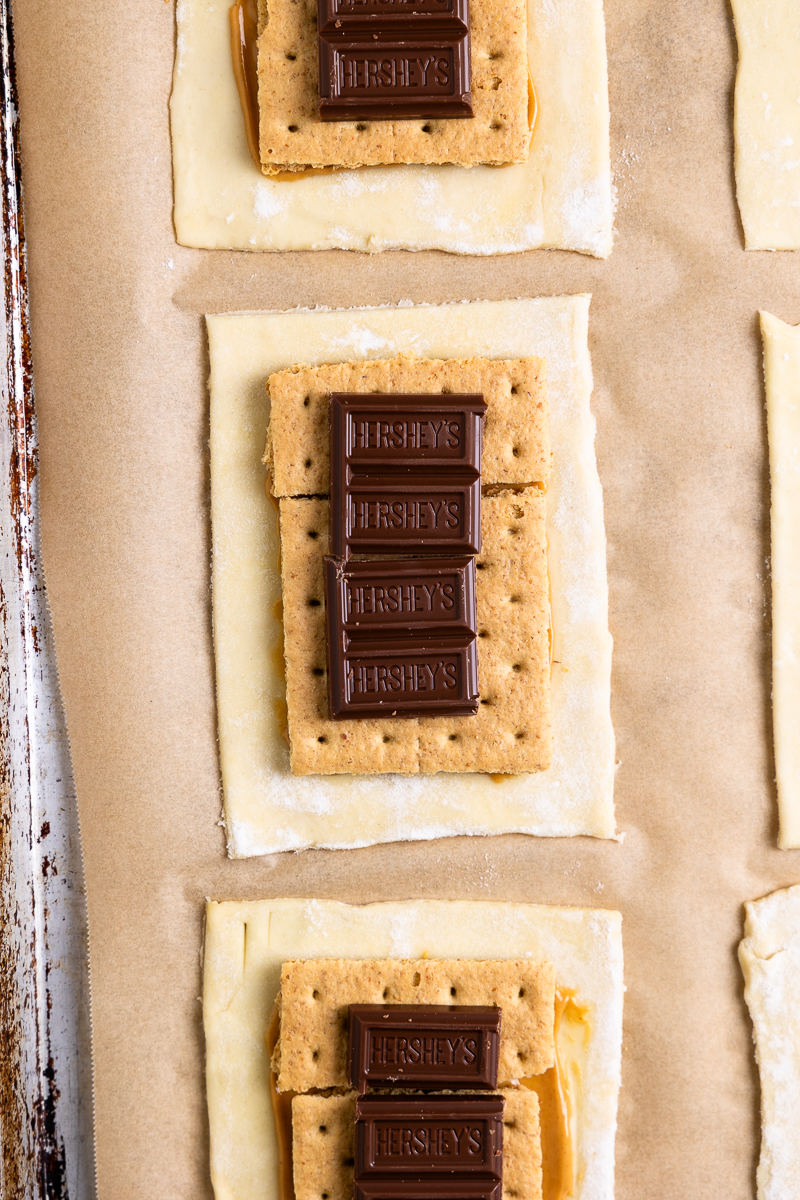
column 782, row 378
column 560, row 197
column 266, row 807
column 767, row 123
column 247, row 943
column 770, row 960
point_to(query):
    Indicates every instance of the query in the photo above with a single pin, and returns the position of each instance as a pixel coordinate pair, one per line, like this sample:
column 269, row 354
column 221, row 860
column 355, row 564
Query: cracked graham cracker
column 516, row 435
column 315, row 996
column 510, row 733
column 293, row 138
column 323, row 1146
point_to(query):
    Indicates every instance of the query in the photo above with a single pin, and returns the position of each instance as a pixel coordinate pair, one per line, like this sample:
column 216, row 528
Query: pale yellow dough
column 561, row 197
column 770, row 959
column 767, row 122
column 246, row 943
column 266, row 808
column 782, row 378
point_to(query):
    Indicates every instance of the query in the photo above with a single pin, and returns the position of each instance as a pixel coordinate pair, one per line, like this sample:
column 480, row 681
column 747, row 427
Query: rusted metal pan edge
column 46, row 1143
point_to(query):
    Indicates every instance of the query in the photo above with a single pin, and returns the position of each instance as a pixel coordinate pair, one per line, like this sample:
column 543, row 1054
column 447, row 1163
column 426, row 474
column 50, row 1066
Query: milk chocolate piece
column 405, row 474
column 431, row 1135
column 395, row 76
column 436, row 677
column 348, row 16
column 423, row 1046
column 402, row 597
column 428, row 1189
column 433, row 515
column 401, row 432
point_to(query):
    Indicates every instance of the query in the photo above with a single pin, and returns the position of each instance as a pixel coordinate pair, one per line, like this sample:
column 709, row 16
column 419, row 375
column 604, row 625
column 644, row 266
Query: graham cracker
column 293, row 138
column 510, row 733
column 516, row 432
column 323, row 1146
column 315, row 995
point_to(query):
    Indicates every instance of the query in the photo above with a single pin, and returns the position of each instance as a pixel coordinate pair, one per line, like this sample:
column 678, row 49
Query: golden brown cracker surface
column 292, row 137
column 511, row 731
column 323, row 1146
column 516, row 435
column 315, row 995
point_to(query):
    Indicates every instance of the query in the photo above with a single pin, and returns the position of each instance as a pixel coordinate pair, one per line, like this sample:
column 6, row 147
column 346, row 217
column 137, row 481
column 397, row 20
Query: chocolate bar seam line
column 423, row 1046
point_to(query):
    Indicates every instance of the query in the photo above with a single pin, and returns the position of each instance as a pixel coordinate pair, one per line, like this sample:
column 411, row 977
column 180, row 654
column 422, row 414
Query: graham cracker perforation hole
column 291, row 57
column 361, row 127
column 452, row 991
column 427, row 128
column 453, row 737
column 495, row 125
column 520, row 735
column 416, row 979
column 306, row 402
column 314, row 603
column 293, row 128
column 517, row 667
column 322, row 740
column 317, row 671
column 307, row 463
column 386, row 739
column 312, row 533
column 323, row 1128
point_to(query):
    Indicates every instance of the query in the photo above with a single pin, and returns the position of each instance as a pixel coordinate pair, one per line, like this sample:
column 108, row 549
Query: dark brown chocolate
column 400, row 432
column 409, row 1188
column 380, row 77
column 438, row 678
column 405, row 474
column 423, row 1046
column 402, row 597
column 401, row 638
column 431, row 1135
column 348, row 16
column 431, row 516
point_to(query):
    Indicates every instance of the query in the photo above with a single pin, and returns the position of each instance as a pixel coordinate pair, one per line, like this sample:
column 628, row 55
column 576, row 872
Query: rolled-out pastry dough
column 246, row 943
column 782, row 378
column 767, row 122
column 266, row 808
column 770, row 959
column 561, row 197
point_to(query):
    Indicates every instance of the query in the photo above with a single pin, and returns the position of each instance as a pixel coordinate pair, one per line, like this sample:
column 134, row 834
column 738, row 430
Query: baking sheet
column 120, row 364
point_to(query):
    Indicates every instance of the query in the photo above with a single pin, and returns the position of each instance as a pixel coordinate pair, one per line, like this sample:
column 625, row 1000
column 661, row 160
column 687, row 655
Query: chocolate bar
column 409, row 1188
column 347, row 16
column 423, row 1046
column 383, row 59
column 402, row 597
column 401, row 432
column 401, row 638
column 432, row 1135
column 405, row 474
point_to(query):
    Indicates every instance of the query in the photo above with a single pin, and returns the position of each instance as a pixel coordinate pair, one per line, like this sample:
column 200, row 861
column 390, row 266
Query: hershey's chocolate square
column 431, row 1135
column 423, row 1046
column 391, row 76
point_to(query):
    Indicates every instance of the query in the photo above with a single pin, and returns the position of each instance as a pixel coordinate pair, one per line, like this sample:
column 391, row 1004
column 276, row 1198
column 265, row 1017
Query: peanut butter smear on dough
column 555, row 1088
column 244, row 50
column 557, row 1100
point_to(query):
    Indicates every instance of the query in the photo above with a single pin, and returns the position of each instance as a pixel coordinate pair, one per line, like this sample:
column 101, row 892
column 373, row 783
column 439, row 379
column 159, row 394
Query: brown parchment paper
column 120, row 368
